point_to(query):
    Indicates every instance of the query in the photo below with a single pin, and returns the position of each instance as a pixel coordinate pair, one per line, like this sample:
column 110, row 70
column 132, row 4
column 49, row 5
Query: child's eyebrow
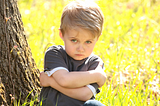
column 72, row 37
column 77, row 38
column 90, row 40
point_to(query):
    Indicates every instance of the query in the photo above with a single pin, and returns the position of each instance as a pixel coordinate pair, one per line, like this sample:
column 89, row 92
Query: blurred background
column 129, row 45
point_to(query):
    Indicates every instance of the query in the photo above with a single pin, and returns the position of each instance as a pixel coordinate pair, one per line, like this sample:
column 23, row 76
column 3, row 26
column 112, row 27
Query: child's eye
column 88, row 42
column 74, row 40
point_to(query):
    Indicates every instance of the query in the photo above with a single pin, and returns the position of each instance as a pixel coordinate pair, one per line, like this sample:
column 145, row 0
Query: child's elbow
column 63, row 81
column 87, row 96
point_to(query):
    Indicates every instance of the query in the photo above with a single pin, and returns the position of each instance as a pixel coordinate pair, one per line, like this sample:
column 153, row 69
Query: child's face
column 79, row 44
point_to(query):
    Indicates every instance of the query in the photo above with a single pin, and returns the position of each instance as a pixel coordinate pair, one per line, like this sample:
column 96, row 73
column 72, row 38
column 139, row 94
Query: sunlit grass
column 129, row 46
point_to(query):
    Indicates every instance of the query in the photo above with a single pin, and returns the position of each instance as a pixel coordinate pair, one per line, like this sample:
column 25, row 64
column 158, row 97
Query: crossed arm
column 73, row 84
column 81, row 93
column 79, row 79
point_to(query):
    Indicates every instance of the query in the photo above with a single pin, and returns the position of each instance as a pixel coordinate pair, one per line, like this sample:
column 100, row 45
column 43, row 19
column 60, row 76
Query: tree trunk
column 18, row 71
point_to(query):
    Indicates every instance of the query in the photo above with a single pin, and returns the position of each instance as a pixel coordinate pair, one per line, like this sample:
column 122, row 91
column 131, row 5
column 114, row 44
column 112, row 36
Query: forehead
column 79, row 33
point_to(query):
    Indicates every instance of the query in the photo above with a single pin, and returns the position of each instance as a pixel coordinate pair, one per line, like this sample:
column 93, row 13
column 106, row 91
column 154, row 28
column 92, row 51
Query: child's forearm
column 81, row 93
column 79, row 79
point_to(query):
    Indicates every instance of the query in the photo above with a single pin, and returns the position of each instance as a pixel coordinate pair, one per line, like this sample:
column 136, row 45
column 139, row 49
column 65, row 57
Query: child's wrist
column 50, row 80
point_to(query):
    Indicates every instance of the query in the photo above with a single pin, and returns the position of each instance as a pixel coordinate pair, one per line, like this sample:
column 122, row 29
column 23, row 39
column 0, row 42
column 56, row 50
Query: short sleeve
column 54, row 60
column 95, row 63
column 93, row 87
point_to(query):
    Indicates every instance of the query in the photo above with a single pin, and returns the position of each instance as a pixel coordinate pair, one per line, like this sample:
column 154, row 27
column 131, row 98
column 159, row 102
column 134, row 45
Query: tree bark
column 18, row 71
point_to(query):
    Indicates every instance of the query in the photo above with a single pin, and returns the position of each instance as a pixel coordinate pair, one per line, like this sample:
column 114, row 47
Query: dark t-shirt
column 56, row 58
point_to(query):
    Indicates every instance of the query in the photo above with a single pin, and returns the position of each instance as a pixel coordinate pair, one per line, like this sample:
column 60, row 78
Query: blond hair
column 82, row 14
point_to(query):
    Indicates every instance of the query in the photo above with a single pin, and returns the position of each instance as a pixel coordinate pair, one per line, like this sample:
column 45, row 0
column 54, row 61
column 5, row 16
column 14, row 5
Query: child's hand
column 44, row 79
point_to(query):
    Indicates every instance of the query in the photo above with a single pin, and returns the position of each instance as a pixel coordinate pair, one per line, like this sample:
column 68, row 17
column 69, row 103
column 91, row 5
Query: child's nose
column 80, row 48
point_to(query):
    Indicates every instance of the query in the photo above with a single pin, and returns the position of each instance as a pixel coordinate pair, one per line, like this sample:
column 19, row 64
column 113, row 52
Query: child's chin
column 78, row 58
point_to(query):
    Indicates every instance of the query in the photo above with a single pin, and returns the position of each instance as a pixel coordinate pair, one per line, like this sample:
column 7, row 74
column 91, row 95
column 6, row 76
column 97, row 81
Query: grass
column 129, row 46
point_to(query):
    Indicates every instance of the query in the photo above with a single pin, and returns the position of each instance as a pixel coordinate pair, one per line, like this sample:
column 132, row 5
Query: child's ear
column 60, row 34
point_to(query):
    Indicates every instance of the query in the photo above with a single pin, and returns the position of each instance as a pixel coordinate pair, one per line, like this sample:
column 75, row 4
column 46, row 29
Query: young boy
column 73, row 73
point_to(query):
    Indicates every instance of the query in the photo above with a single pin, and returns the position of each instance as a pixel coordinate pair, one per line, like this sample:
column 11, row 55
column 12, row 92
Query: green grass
column 129, row 46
